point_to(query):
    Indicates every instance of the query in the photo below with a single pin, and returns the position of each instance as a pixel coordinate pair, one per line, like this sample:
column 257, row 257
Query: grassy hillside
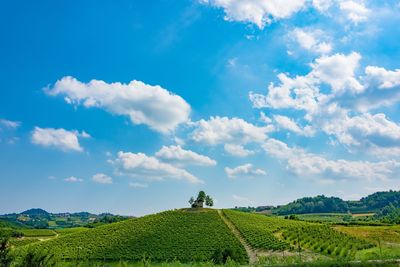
column 183, row 235
column 39, row 219
column 386, row 239
column 274, row 233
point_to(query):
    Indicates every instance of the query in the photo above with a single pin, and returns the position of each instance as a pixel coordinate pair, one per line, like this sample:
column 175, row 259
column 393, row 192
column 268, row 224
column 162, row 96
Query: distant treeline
column 381, row 203
column 40, row 219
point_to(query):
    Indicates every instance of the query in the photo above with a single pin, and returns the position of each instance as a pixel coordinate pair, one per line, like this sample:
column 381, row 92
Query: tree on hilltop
column 191, row 201
column 202, row 198
column 209, row 201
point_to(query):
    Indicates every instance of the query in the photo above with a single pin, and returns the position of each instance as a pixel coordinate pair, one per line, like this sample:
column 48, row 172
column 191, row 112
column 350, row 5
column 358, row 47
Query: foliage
column 258, row 229
column 40, row 219
column 389, row 214
column 5, row 223
column 171, row 235
column 318, row 204
column 222, row 256
column 19, row 242
column 5, row 258
column 379, row 200
column 38, row 232
column 209, row 201
column 67, row 231
column 201, row 198
column 323, row 204
column 9, row 232
column 38, row 258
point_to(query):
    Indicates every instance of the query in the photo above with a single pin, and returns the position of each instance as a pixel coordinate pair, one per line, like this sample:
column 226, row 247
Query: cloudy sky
column 131, row 107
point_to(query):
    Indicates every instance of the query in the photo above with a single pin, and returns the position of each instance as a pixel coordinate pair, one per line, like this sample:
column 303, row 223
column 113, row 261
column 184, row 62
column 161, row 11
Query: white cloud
column 355, row 11
column 246, row 170
column 382, row 89
column 385, row 79
column 150, row 168
column 242, row 200
column 264, row 118
column 237, row 150
column 143, row 104
column 336, row 113
column 73, row 179
column 9, row 124
column 322, row 5
column 258, row 12
column 102, row 178
column 58, row 138
column 301, row 93
column 287, row 123
column 310, row 40
column 138, row 185
column 307, row 164
column 223, row 130
column 180, row 156
column 364, row 130
column 7, row 128
column 338, row 71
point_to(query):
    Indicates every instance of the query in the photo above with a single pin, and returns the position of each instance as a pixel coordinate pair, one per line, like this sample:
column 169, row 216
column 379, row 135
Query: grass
column 38, row 232
column 386, row 238
column 19, row 242
column 272, row 233
column 167, row 236
column 67, row 231
column 387, row 234
column 192, row 236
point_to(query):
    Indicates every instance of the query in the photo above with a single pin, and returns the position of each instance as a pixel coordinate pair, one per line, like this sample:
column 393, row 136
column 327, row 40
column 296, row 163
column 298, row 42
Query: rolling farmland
column 172, row 235
column 271, row 233
column 200, row 235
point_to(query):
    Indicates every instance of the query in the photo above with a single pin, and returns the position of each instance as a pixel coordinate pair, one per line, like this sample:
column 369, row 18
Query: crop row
column 172, row 235
column 274, row 233
column 259, row 231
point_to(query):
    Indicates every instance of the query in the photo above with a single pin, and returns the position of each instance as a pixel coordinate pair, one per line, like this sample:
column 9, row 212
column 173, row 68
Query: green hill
column 39, row 219
column 183, row 235
column 323, row 204
column 318, row 204
column 192, row 235
column 277, row 234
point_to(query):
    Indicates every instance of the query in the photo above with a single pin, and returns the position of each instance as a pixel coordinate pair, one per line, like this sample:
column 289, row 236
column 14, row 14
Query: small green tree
column 39, row 258
column 209, row 201
column 201, row 196
column 5, row 259
column 191, row 201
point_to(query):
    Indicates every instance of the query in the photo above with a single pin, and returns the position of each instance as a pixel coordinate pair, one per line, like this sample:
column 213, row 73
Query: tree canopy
column 202, row 198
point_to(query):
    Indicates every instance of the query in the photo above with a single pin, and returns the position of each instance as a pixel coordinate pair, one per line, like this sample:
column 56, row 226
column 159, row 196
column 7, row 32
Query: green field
column 385, row 238
column 67, row 231
column 272, row 233
column 172, row 235
column 38, row 232
column 198, row 235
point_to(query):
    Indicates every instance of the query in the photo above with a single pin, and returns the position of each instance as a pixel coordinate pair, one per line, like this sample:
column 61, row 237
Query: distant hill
column 318, row 204
column 375, row 201
column 39, row 218
column 322, row 204
column 35, row 212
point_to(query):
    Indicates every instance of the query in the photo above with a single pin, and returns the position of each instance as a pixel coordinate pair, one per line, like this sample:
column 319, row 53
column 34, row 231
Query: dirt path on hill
column 250, row 252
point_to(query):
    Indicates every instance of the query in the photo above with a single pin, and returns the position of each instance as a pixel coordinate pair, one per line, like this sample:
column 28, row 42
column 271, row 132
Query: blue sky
column 133, row 107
